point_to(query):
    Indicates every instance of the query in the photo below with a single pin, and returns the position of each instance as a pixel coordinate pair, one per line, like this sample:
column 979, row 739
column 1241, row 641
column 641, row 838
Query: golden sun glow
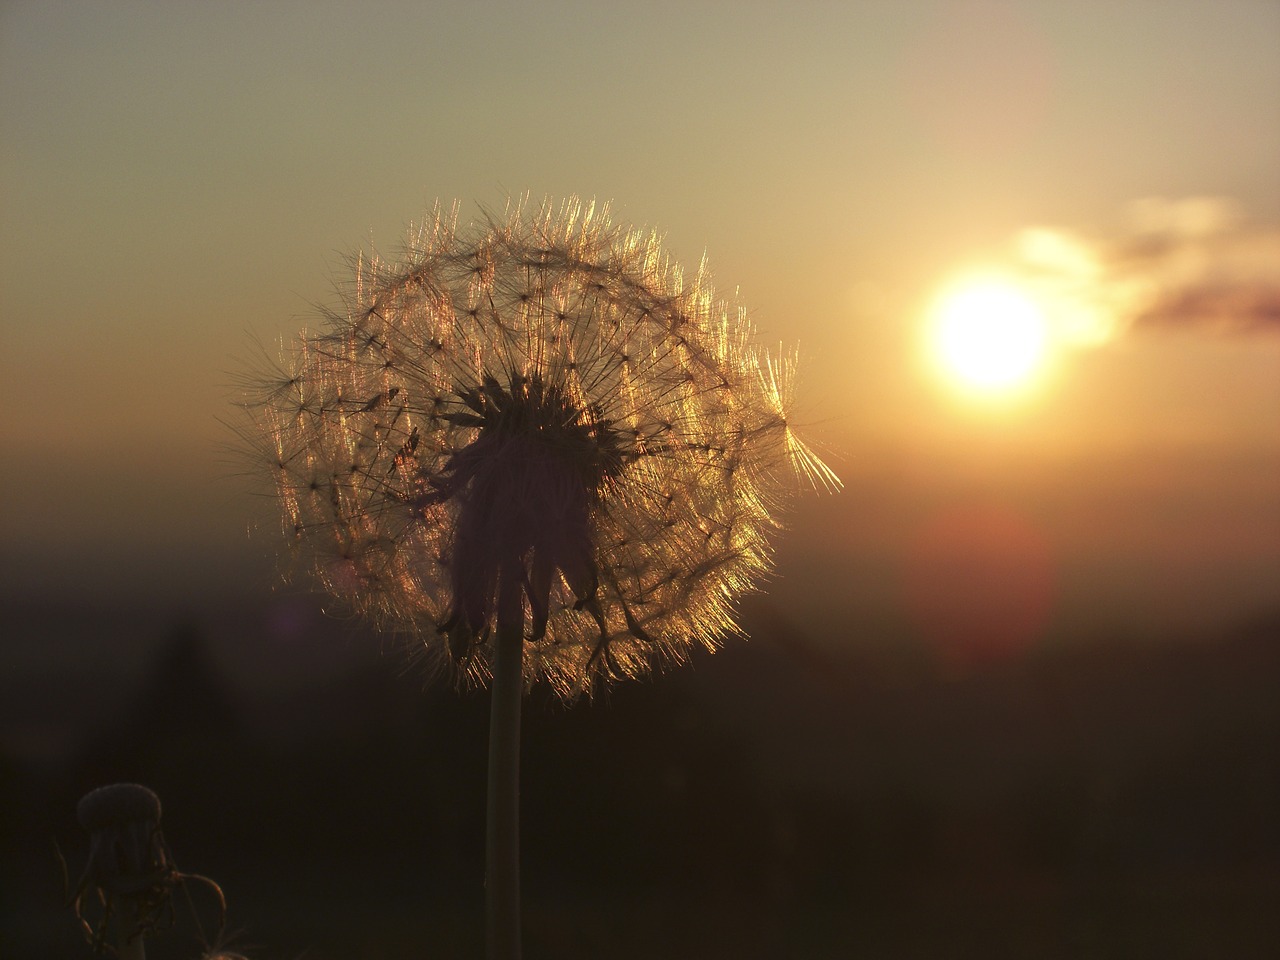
column 989, row 335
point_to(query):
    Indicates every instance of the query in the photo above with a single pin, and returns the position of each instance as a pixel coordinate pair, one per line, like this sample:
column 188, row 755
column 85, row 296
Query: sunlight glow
column 989, row 335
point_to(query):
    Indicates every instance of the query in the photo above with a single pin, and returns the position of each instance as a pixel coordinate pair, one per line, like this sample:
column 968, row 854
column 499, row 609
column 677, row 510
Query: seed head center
column 529, row 417
column 523, row 490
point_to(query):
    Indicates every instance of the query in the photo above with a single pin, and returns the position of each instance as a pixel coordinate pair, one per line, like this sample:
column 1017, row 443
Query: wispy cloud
column 1195, row 263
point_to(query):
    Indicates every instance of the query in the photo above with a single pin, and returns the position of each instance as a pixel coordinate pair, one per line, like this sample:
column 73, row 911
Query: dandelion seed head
column 535, row 419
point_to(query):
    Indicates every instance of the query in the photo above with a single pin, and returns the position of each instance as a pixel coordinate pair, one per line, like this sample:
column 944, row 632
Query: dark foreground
column 1102, row 801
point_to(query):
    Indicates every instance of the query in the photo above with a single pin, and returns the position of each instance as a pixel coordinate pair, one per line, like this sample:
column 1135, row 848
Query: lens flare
column 979, row 584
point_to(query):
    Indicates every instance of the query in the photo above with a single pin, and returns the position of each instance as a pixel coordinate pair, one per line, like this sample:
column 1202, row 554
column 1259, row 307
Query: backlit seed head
column 543, row 402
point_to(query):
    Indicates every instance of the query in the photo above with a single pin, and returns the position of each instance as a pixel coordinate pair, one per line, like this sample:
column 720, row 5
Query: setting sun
column 989, row 335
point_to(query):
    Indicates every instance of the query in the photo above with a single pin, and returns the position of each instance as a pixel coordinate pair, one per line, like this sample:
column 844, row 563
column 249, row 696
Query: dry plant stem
column 502, row 855
column 132, row 950
column 131, row 947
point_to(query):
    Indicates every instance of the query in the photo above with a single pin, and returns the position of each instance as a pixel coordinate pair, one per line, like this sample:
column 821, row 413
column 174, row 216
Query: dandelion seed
column 536, row 422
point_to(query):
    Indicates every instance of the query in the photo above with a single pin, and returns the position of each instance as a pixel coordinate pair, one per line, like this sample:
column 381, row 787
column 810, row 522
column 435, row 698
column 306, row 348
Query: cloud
column 1193, row 263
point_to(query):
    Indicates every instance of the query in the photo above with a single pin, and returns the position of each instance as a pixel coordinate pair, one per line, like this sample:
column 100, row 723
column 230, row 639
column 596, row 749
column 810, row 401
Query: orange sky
column 180, row 178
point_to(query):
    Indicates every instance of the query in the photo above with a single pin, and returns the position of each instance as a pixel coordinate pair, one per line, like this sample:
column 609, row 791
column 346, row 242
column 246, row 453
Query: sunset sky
column 182, row 179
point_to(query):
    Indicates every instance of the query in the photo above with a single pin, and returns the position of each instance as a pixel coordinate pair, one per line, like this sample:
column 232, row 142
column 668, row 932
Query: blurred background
column 1015, row 692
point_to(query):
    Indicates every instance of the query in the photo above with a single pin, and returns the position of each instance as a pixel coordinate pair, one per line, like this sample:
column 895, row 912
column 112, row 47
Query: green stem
column 502, row 855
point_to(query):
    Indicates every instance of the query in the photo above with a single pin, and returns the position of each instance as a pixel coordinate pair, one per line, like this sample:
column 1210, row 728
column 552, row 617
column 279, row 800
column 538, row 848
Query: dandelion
column 539, row 421
column 537, row 447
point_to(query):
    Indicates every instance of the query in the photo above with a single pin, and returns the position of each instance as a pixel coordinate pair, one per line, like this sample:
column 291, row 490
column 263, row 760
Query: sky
column 180, row 180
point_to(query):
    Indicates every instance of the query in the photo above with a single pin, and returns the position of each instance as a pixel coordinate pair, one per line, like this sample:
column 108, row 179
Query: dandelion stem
column 502, row 864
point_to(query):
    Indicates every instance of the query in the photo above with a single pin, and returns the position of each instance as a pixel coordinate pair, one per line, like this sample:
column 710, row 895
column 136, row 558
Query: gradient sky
column 179, row 178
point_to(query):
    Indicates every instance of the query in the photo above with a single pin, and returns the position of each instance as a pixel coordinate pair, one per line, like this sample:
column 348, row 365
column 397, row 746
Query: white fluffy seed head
column 541, row 400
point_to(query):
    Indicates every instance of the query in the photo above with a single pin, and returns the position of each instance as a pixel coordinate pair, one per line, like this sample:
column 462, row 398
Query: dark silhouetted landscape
column 1104, row 799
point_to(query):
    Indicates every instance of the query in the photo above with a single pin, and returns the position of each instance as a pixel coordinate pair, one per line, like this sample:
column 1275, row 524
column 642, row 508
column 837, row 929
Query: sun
column 989, row 335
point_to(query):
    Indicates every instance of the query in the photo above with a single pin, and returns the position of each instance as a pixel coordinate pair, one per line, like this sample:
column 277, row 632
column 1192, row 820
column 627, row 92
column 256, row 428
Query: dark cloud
column 1218, row 307
column 1203, row 265
column 1194, row 263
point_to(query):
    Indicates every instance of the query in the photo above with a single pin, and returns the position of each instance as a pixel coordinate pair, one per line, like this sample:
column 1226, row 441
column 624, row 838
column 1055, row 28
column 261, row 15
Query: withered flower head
column 129, row 865
column 130, row 870
column 535, row 421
